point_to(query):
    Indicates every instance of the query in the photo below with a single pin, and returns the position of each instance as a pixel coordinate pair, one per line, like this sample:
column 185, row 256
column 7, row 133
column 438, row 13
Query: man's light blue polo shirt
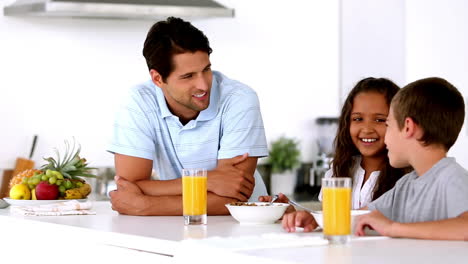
column 231, row 125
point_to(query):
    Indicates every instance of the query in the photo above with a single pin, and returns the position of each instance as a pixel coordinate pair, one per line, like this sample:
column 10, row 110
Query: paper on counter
column 72, row 207
column 271, row 240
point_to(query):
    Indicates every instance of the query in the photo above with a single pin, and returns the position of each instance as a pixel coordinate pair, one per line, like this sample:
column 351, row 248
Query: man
column 187, row 116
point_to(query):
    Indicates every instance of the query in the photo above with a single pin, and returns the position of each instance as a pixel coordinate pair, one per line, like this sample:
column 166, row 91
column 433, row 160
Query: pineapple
column 71, row 166
column 18, row 178
column 64, row 172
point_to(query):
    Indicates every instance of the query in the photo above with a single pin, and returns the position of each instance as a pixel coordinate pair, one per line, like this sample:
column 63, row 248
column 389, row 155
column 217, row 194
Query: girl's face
column 367, row 125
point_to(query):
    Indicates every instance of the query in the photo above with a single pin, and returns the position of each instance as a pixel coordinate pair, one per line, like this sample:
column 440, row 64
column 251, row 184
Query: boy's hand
column 281, row 199
column 299, row 219
column 375, row 220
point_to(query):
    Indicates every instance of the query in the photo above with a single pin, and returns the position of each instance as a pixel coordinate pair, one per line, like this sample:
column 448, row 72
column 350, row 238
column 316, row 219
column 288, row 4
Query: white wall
column 372, row 41
column 64, row 77
column 60, row 78
column 288, row 52
column 437, row 41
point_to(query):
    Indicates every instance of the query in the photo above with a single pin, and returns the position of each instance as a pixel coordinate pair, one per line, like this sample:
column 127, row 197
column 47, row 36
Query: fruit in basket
column 70, row 167
column 78, row 193
column 47, row 191
column 20, row 192
column 18, row 178
column 59, row 175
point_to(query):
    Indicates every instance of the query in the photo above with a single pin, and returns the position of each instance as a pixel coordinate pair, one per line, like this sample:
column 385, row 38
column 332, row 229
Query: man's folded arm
column 169, row 205
column 138, row 171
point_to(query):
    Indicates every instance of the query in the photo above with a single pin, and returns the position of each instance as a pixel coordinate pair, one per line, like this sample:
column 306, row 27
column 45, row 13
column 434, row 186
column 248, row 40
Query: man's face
column 394, row 139
column 187, row 88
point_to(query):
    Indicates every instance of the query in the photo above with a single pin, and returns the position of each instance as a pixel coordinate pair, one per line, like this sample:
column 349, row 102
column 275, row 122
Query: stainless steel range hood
column 121, row 9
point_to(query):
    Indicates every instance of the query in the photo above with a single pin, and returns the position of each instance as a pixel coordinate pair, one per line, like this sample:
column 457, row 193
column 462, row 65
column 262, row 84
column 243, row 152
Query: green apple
column 20, row 192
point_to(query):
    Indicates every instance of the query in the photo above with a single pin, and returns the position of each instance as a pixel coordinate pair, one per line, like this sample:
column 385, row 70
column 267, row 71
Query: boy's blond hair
column 436, row 106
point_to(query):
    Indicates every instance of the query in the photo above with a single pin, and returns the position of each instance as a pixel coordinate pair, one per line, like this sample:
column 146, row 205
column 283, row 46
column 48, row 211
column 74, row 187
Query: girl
column 360, row 151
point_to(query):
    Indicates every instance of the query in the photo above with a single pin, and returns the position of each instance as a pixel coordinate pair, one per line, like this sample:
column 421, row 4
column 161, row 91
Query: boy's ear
column 411, row 129
column 156, row 77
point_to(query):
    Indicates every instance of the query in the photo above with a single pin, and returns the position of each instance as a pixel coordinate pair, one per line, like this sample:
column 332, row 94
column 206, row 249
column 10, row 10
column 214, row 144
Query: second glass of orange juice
column 194, row 192
column 336, row 205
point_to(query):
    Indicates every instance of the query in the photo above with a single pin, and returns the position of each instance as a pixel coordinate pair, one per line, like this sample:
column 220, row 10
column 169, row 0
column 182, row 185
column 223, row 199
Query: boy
column 431, row 202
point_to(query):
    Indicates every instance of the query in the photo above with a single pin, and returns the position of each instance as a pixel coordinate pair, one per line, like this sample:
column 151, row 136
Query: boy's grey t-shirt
column 440, row 193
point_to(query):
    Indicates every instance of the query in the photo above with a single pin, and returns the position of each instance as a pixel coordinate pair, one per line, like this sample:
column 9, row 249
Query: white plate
column 36, row 202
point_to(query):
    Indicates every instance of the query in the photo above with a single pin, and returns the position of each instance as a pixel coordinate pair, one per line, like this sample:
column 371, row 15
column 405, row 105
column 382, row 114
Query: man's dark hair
column 435, row 105
column 170, row 37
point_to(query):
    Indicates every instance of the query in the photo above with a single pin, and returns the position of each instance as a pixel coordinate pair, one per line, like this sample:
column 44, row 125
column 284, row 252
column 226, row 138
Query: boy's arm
column 449, row 229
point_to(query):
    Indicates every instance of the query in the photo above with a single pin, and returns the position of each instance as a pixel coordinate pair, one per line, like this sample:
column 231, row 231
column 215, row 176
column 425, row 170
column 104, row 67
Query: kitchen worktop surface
column 167, row 240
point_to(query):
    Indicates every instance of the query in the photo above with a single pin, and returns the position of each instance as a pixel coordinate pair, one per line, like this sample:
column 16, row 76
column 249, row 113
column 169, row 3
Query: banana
column 85, row 189
column 78, row 193
column 33, row 194
column 73, row 194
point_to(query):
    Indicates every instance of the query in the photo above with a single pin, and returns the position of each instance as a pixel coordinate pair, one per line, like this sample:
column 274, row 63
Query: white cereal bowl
column 318, row 215
column 257, row 213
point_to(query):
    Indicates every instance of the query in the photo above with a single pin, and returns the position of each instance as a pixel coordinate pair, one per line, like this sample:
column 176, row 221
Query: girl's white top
column 362, row 194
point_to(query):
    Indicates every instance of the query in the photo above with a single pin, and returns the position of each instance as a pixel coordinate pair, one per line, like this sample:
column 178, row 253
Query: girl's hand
column 299, row 219
column 281, row 199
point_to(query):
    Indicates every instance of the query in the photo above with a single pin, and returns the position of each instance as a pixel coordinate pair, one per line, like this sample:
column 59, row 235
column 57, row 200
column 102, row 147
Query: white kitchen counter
column 159, row 238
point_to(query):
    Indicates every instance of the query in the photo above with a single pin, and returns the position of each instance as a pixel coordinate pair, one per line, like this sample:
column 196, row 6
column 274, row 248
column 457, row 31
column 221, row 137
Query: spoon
column 3, row 204
column 292, row 202
column 275, row 197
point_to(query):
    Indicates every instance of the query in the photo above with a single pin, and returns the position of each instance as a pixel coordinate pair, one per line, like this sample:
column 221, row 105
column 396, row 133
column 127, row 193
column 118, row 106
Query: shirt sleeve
column 457, row 195
column 384, row 203
column 132, row 131
column 242, row 126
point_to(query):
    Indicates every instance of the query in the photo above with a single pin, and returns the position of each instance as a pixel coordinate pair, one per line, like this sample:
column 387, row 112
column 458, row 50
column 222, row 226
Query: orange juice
column 336, row 211
column 194, row 195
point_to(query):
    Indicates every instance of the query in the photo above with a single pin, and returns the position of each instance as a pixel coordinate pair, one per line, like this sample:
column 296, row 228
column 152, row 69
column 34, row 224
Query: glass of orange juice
column 336, row 205
column 194, row 192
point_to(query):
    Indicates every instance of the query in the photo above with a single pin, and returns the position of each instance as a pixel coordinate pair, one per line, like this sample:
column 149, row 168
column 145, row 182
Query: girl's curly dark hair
column 345, row 149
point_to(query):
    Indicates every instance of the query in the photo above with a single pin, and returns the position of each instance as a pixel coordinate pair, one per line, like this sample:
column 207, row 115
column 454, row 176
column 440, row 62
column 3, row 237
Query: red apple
column 46, row 191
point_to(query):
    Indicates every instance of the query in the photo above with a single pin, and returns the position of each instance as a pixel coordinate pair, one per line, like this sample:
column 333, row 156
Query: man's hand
column 375, row 220
column 128, row 198
column 230, row 181
column 299, row 219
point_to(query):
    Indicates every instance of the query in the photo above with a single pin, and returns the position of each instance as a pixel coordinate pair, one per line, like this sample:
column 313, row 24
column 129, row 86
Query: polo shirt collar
column 204, row 115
